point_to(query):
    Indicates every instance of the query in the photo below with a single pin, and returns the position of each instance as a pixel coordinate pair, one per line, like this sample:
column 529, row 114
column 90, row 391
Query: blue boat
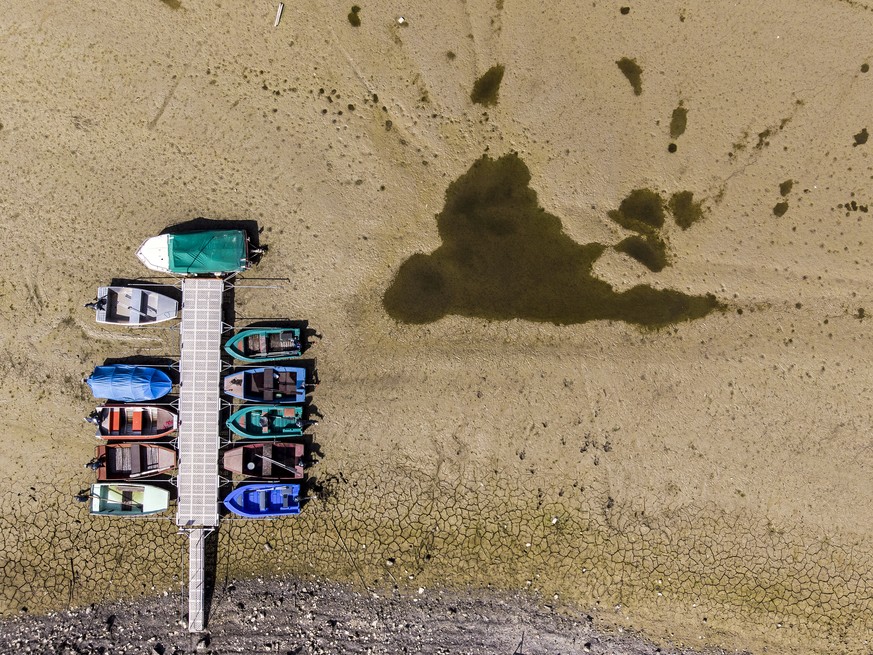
column 276, row 384
column 129, row 384
column 262, row 501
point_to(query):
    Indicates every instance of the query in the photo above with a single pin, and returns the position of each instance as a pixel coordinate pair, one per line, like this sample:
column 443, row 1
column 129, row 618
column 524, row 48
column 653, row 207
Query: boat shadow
column 165, row 364
column 170, row 290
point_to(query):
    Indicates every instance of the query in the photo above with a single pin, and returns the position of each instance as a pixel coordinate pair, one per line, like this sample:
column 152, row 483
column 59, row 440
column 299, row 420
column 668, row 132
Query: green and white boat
column 213, row 252
column 264, row 344
column 268, row 421
column 124, row 499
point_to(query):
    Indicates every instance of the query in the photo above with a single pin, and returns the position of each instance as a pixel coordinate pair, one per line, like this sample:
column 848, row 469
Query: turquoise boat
column 267, row 421
column 264, row 344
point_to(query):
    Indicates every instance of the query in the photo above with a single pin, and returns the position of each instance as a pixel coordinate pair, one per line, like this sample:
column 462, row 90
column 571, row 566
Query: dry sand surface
column 706, row 483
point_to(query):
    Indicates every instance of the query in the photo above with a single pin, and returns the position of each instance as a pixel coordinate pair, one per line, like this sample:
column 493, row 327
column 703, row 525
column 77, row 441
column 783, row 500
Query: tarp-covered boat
column 277, row 384
column 129, row 384
column 133, row 422
column 264, row 500
column 264, row 344
column 215, row 252
column 132, row 306
column 267, row 421
column 124, row 499
column 267, row 461
column 132, row 460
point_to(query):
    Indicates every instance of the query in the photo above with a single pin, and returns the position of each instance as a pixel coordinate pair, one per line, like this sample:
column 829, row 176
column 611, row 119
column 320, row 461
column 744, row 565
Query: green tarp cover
column 216, row 251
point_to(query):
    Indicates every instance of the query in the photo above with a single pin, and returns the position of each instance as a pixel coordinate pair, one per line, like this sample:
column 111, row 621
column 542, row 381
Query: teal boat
column 125, row 499
column 267, row 421
column 215, row 252
column 264, row 344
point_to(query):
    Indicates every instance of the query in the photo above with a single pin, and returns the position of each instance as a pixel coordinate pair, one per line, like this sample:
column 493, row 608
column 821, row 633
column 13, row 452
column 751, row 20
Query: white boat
column 213, row 252
column 132, row 306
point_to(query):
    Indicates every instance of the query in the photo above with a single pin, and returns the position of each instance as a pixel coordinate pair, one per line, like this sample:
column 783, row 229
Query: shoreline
column 313, row 617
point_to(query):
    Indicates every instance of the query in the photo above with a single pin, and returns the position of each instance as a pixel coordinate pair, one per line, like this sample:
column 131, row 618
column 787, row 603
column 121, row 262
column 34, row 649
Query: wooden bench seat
column 115, row 420
column 136, row 421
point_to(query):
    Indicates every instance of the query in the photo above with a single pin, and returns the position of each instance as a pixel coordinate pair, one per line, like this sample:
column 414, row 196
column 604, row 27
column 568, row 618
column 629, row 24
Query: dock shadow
column 210, row 572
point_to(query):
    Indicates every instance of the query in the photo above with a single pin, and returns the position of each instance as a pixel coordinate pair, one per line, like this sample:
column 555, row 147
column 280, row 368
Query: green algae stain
column 649, row 251
column 632, row 72
column 173, row 4
column 354, row 18
column 861, row 138
column 685, row 211
column 486, row 88
column 641, row 211
column 678, row 121
column 785, row 187
column 504, row 257
column 780, row 209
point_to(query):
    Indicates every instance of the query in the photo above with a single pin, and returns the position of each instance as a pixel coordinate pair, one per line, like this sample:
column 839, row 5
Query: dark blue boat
column 129, row 384
column 261, row 501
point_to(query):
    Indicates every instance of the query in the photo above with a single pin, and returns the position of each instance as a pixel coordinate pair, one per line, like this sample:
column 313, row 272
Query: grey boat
column 132, row 306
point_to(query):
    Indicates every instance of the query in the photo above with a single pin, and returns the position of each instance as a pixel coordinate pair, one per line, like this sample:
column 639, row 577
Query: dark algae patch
column 861, row 138
column 678, row 122
column 649, row 251
column 504, row 257
column 632, row 72
column 354, row 17
column 785, row 187
column 780, row 208
column 642, row 211
column 173, row 4
column 685, row 211
column 485, row 89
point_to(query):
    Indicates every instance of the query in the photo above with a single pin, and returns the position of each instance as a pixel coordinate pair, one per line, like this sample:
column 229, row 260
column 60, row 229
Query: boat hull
column 277, row 384
column 126, row 499
column 129, row 384
column 133, row 461
column 135, row 422
column 266, row 461
column 133, row 307
column 213, row 252
column 264, row 344
column 262, row 501
column 267, row 421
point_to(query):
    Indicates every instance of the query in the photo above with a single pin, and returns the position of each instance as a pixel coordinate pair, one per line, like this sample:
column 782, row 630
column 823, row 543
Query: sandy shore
column 706, row 483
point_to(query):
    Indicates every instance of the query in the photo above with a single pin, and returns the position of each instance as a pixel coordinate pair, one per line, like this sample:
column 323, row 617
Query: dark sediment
column 486, row 88
column 316, row 617
column 504, row 257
